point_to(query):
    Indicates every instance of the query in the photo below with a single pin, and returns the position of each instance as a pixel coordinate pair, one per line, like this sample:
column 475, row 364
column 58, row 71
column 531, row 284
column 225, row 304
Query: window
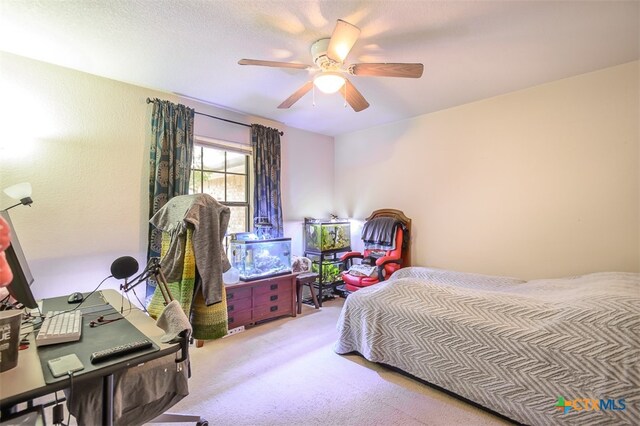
column 225, row 176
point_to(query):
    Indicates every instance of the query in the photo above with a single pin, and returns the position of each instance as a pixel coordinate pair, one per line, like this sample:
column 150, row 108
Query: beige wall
column 80, row 140
column 541, row 182
column 309, row 160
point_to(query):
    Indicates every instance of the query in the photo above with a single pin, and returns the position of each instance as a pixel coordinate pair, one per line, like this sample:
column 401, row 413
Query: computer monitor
column 20, row 286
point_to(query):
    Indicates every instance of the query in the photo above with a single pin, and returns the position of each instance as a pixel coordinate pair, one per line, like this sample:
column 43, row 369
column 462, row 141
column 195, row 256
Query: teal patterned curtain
column 170, row 160
column 266, row 166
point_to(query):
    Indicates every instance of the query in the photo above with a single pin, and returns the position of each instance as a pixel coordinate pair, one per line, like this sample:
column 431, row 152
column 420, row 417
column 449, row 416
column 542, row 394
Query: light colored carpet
column 285, row 372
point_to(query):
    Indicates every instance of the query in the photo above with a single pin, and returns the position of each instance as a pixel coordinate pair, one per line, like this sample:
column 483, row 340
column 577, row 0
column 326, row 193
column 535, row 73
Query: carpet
column 285, row 372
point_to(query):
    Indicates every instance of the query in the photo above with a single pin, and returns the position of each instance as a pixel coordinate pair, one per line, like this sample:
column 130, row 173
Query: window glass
column 223, row 175
column 236, row 188
column 236, row 163
column 195, row 182
column 196, row 163
column 238, row 221
column 213, row 159
column 213, row 184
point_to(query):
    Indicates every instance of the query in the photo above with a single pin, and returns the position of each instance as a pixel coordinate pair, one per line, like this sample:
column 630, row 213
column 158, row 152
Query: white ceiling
column 471, row 49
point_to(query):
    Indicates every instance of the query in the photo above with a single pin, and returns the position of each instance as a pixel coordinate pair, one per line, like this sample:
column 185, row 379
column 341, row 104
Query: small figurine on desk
column 5, row 239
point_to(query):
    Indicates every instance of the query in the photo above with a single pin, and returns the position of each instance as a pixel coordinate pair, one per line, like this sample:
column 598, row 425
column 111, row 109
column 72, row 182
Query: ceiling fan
column 328, row 56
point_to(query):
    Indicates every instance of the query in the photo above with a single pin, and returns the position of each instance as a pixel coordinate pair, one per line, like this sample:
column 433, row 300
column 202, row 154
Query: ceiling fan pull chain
column 314, row 96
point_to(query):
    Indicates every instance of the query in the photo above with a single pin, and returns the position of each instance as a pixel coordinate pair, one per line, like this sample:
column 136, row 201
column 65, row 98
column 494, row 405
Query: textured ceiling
column 471, row 50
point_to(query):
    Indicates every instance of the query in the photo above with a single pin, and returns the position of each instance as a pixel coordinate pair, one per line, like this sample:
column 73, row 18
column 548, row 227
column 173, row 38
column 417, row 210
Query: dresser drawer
column 236, row 319
column 238, row 293
column 271, row 287
column 238, row 305
column 271, row 298
column 272, row 310
column 251, row 302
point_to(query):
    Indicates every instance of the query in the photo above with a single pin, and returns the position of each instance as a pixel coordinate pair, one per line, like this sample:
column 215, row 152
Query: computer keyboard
column 60, row 327
column 117, row 351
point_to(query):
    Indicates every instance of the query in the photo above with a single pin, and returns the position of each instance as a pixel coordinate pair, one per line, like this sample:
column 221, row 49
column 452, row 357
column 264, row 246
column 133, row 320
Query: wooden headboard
column 399, row 215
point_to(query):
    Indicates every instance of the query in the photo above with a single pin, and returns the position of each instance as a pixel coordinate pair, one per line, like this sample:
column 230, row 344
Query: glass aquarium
column 330, row 270
column 257, row 259
column 327, row 235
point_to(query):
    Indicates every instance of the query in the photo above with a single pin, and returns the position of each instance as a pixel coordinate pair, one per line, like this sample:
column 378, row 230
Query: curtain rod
column 220, row 118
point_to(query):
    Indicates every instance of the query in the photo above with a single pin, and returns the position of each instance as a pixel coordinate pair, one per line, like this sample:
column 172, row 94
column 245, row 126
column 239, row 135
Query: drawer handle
column 274, row 286
column 231, row 320
column 230, row 308
column 230, row 296
column 273, row 308
column 274, row 297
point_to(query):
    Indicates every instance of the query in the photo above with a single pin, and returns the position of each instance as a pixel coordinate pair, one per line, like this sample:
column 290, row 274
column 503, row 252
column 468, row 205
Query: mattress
column 553, row 351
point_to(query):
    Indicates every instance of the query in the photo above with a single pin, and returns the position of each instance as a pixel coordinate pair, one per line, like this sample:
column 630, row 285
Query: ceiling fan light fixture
column 329, row 72
column 329, row 82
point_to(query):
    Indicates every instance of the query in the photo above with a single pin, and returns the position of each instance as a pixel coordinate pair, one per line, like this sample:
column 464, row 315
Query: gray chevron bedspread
column 556, row 351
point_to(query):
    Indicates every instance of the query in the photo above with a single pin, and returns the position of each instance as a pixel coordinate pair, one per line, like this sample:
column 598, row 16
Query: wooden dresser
column 260, row 300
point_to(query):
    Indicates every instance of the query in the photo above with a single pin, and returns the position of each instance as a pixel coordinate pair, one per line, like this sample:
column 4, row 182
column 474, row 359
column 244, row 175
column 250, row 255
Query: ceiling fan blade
column 354, row 98
column 342, row 40
column 387, row 70
column 273, row 64
column 297, row 95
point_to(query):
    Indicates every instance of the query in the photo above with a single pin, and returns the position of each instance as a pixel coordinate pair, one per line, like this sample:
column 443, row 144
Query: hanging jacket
column 380, row 231
column 209, row 220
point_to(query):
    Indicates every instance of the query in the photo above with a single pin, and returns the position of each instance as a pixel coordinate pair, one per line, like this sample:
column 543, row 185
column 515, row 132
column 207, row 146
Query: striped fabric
column 518, row 348
column 208, row 322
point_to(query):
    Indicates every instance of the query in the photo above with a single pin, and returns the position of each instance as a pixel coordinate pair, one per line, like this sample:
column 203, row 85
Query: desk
column 26, row 381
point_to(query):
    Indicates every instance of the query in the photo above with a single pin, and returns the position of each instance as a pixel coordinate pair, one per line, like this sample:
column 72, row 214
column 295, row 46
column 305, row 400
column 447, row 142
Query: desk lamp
column 20, row 191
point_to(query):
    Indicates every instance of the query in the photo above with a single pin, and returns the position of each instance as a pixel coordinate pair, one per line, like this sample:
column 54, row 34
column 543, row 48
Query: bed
column 554, row 351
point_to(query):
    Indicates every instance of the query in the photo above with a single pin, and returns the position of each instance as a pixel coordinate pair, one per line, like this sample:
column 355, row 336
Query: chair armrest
column 388, row 259
column 380, row 263
column 351, row 255
column 347, row 258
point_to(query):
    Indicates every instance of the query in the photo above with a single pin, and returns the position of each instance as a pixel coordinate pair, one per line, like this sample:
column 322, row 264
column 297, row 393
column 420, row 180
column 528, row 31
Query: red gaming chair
column 386, row 261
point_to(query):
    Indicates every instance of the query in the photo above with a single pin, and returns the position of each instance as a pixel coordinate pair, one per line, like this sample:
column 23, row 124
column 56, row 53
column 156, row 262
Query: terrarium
column 330, row 270
column 257, row 259
column 327, row 235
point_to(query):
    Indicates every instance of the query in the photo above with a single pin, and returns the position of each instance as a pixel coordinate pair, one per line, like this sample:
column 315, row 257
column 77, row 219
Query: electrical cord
column 90, row 294
column 144, row 308
column 129, row 301
column 140, row 275
column 36, row 328
column 58, row 411
column 5, row 299
column 70, row 397
column 101, row 320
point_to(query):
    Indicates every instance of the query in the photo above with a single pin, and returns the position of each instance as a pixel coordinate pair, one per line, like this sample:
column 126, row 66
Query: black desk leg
column 107, row 400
